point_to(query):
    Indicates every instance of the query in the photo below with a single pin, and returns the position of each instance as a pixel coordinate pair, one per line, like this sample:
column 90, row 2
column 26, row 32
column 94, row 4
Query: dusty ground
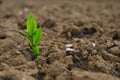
column 92, row 26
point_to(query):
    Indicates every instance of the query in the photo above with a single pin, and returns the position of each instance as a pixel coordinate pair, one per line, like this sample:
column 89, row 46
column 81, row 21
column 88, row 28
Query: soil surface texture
column 81, row 40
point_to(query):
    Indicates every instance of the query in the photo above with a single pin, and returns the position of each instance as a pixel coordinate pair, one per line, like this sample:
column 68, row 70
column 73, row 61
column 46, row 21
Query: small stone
column 18, row 52
column 93, row 44
column 109, row 44
column 69, row 49
column 115, row 50
column 68, row 45
column 117, row 43
column 20, row 12
column 18, row 46
column 68, row 60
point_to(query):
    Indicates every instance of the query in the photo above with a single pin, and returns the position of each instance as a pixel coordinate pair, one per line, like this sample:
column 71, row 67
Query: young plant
column 33, row 34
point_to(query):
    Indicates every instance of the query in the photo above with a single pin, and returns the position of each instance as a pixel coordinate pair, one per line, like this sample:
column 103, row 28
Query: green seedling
column 33, row 34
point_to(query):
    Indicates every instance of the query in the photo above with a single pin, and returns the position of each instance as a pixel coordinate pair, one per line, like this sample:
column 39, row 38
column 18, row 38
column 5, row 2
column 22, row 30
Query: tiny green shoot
column 33, row 34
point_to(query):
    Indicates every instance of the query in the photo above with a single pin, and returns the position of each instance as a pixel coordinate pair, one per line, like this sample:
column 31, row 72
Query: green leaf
column 36, row 51
column 37, row 37
column 31, row 24
column 23, row 33
column 26, row 35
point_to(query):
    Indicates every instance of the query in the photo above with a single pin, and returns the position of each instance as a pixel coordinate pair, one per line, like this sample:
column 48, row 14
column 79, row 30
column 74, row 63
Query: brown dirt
column 92, row 26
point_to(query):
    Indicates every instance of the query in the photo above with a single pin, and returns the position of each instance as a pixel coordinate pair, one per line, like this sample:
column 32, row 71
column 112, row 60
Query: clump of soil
column 92, row 27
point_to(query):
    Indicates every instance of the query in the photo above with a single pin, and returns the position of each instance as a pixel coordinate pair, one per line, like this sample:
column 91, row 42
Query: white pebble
column 93, row 44
column 68, row 45
column 69, row 49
